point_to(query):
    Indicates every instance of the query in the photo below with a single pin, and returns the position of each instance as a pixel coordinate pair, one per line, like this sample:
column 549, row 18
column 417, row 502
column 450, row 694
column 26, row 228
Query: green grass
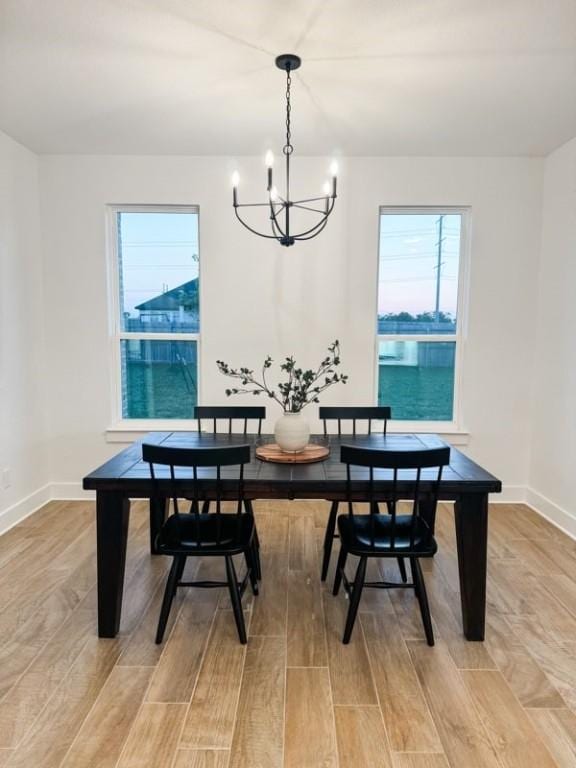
column 417, row 393
column 159, row 391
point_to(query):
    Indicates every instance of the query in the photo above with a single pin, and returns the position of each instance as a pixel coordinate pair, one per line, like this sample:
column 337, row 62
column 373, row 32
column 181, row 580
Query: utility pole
column 439, row 268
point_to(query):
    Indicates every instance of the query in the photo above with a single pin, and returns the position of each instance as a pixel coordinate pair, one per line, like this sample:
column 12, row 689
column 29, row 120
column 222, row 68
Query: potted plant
column 300, row 388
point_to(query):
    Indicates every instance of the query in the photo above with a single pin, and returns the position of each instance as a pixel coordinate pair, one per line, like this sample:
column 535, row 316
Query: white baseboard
column 511, row 494
column 71, row 492
column 559, row 517
column 10, row 516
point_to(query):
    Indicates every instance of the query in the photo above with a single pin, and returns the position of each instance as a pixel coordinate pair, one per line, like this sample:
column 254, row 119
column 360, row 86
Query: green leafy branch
column 301, row 388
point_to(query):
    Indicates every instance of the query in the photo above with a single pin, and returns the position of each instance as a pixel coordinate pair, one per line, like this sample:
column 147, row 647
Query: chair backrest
column 195, row 459
column 231, row 413
column 422, row 520
column 354, row 414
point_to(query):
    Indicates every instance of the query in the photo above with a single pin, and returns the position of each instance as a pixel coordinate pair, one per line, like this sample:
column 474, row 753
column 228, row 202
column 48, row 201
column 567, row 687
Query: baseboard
column 511, row 494
column 71, row 492
column 10, row 516
column 552, row 512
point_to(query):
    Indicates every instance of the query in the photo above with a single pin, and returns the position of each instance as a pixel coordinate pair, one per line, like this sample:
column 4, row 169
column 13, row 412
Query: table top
column 127, row 473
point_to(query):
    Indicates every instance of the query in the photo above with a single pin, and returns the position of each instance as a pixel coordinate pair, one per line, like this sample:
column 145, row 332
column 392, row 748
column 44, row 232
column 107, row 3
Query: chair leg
column 328, row 539
column 181, row 566
column 420, row 588
column 402, row 569
column 339, row 569
column 235, row 598
column 205, row 506
column 169, row 593
column 250, row 557
column 355, row 599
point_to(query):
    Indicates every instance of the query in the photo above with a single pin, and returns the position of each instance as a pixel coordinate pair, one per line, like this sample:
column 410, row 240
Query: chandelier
column 280, row 207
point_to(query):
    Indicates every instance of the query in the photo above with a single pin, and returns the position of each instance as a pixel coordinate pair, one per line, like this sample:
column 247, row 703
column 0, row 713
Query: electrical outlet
column 6, row 478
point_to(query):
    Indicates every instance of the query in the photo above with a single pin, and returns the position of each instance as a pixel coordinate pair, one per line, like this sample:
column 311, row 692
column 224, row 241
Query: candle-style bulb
column 269, row 160
column 235, row 179
column 274, row 195
column 326, row 188
column 333, row 168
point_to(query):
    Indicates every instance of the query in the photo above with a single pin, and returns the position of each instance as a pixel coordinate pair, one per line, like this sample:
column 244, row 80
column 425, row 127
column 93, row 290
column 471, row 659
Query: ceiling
column 379, row 77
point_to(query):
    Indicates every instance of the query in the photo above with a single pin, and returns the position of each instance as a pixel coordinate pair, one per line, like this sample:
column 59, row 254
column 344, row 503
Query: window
column 157, row 311
column 419, row 311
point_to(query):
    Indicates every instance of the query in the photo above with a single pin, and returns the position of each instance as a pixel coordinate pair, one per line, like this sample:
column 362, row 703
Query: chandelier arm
column 254, row 231
column 317, row 226
column 307, row 208
column 276, row 231
column 312, row 199
column 254, row 205
column 275, row 220
column 313, row 231
column 317, row 232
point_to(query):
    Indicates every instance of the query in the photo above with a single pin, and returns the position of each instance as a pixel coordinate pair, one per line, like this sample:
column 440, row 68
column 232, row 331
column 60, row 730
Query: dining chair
column 215, row 414
column 230, row 414
column 393, row 535
column 354, row 414
column 196, row 533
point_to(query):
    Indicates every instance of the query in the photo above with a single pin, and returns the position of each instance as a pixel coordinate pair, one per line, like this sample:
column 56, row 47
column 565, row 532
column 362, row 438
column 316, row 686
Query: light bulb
column 326, row 188
column 274, row 194
column 334, row 168
column 235, row 179
column 269, row 159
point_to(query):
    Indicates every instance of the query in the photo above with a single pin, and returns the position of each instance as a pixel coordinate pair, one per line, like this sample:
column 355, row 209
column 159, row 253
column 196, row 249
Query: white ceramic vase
column 292, row 432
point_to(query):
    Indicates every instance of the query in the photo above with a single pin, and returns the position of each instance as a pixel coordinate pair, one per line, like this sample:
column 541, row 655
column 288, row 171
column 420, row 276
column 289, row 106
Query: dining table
column 125, row 476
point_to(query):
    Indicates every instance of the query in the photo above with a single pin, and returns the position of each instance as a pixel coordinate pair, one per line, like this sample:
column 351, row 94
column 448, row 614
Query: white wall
column 258, row 298
column 553, row 459
column 22, row 369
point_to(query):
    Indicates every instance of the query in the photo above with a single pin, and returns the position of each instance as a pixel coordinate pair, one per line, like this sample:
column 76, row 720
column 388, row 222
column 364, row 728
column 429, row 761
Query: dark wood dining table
column 126, row 477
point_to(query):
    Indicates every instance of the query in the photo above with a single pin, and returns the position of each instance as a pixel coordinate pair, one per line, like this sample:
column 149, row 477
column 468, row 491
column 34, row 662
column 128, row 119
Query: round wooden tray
column 310, row 454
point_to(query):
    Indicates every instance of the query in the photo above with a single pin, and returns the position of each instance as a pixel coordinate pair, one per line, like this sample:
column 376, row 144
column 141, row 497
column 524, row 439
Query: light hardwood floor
column 294, row 697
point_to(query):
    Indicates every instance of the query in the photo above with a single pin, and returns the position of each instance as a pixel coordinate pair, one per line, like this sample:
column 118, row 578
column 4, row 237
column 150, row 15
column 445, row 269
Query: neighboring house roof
column 185, row 294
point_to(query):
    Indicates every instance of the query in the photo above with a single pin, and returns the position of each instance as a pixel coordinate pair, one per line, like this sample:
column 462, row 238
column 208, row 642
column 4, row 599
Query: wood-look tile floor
column 294, row 697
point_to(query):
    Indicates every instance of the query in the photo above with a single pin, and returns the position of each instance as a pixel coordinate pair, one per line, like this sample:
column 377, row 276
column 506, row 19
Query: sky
column 409, row 259
column 159, row 252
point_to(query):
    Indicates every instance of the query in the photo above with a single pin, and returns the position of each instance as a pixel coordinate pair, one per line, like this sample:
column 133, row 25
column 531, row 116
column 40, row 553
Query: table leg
column 471, row 519
column 158, row 512
column 112, row 516
column 427, row 510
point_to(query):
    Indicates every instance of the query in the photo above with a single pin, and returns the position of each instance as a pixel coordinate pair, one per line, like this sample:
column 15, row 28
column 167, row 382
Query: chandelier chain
column 288, row 148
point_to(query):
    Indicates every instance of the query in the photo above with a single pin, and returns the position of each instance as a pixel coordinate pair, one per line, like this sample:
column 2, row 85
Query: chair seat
column 216, row 534
column 356, row 535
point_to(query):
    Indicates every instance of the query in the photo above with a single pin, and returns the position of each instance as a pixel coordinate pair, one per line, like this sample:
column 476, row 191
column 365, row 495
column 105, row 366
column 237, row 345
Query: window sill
column 129, row 431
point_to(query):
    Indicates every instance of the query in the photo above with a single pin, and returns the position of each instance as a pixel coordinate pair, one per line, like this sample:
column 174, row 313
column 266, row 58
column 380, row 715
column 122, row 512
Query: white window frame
column 121, row 426
column 442, row 427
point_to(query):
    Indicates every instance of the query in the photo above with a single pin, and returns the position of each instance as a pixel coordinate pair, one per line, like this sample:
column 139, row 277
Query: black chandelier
column 280, row 207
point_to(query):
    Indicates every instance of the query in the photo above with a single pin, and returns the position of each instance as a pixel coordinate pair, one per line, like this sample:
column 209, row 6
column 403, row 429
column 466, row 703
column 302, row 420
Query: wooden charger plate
column 310, row 454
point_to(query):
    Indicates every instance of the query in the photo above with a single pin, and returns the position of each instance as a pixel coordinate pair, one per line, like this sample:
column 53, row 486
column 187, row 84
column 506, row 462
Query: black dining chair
column 229, row 414
column 197, row 534
column 354, row 414
column 391, row 535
